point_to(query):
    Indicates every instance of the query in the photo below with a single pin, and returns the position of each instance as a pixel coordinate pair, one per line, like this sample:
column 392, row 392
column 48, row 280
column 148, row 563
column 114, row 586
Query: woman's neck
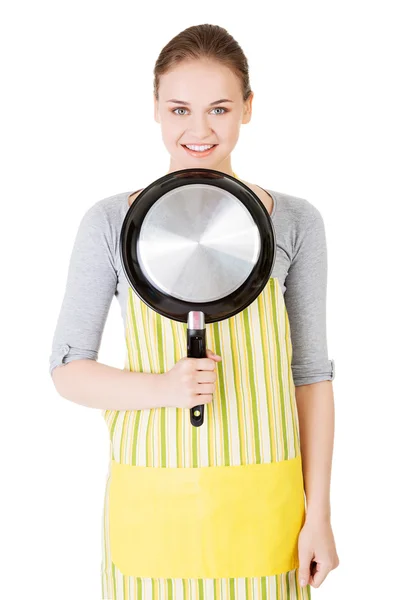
column 224, row 167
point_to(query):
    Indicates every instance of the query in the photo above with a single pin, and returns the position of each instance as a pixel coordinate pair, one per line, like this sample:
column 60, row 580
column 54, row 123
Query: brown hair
column 204, row 41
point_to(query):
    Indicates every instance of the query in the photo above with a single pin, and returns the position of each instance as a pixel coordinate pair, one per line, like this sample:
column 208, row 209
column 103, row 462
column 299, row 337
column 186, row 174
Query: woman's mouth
column 199, row 151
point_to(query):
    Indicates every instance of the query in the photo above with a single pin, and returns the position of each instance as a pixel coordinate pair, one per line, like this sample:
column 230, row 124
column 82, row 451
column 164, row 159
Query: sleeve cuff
column 65, row 354
column 306, row 374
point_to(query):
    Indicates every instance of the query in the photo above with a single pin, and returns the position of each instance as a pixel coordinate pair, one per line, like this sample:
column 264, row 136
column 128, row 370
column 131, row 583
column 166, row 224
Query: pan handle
column 196, row 348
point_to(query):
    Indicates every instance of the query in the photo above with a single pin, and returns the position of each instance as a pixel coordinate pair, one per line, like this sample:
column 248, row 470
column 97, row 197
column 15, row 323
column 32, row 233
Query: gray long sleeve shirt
column 96, row 275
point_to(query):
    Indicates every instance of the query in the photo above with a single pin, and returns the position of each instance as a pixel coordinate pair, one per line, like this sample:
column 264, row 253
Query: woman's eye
column 218, row 108
column 178, row 109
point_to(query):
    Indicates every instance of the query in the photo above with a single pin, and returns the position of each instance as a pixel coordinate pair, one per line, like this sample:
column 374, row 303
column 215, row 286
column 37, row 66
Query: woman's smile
column 200, row 151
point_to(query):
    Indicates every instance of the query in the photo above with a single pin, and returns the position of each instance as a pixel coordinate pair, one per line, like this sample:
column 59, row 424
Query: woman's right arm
column 90, row 288
column 77, row 376
column 96, row 385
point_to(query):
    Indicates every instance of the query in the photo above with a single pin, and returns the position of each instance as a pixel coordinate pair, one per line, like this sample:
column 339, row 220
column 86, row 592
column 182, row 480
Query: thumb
column 211, row 354
column 305, row 558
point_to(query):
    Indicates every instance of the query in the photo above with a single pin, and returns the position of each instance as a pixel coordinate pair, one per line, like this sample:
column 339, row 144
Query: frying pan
column 197, row 246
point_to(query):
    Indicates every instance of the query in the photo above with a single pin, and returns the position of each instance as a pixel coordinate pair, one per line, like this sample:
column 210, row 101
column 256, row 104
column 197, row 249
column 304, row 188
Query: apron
column 211, row 512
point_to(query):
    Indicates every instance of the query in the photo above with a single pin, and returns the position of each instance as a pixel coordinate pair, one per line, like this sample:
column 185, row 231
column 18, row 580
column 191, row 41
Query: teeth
column 199, row 148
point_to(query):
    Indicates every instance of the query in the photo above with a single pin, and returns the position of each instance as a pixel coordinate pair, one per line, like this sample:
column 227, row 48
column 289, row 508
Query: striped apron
column 210, row 512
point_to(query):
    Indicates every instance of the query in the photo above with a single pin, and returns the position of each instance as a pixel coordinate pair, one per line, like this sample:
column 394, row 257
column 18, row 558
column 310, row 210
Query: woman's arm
column 313, row 372
column 317, row 549
column 315, row 405
column 101, row 386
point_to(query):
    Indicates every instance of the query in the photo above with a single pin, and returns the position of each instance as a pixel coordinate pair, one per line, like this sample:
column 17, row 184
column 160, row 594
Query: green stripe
column 136, row 419
column 125, row 418
column 201, row 590
column 287, row 581
column 296, row 586
column 114, row 581
column 240, row 393
column 140, row 589
column 221, row 384
column 135, row 330
column 255, row 398
column 163, row 425
column 237, row 394
column 266, row 375
column 170, row 595
column 279, row 366
column 160, row 348
column 292, row 402
column 112, row 428
column 232, row 591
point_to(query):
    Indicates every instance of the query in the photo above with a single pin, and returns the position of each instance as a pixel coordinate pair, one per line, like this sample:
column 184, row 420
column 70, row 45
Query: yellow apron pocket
column 206, row 522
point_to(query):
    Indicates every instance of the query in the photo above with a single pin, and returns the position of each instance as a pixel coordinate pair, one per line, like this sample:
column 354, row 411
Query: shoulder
column 298, row 223
column 296, row 215
column 109, row 209
column 101, row 224
column 106, row 216
column 296, row 210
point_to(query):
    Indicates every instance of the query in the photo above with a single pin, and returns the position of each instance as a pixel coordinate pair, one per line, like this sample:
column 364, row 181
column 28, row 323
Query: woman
column 218, row 511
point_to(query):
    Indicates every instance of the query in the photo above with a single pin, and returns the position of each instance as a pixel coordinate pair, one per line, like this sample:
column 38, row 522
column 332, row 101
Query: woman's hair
column 204, row 41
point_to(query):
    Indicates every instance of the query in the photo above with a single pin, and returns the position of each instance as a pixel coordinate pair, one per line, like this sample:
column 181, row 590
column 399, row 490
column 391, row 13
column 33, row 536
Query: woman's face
column 190, row 111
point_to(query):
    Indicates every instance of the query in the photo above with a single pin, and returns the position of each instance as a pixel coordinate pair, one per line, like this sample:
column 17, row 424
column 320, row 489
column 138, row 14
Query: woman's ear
column 247, row 109
column 156, row 115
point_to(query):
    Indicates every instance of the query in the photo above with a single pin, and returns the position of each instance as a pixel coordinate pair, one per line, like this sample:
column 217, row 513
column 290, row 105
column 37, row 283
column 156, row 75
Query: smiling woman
column 214, row 514
column 202, row 96
column 233, row 536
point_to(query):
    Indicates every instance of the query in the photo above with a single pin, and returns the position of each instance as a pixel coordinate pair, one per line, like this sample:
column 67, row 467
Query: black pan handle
column 196, row 348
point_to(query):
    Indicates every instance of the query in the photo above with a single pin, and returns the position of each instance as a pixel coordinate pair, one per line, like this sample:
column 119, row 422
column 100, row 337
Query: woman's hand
column 191, row 381
column 317, row 552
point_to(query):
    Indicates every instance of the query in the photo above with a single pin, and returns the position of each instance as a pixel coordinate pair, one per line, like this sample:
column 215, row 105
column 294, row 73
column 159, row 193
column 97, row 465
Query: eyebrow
column 188, row 103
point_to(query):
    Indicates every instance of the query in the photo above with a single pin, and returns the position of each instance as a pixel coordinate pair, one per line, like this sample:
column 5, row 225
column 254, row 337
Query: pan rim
column 178, row 309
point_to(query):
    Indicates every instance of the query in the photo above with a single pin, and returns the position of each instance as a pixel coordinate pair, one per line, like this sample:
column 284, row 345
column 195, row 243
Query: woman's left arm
column 313, row 372
column 317, row 551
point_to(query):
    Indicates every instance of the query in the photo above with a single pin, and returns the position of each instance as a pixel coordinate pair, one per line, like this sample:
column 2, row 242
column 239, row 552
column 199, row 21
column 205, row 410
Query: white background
column 77, row 126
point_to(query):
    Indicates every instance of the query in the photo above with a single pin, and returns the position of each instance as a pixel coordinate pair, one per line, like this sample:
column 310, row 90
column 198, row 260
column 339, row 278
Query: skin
column 317, row 550
column 201, row 82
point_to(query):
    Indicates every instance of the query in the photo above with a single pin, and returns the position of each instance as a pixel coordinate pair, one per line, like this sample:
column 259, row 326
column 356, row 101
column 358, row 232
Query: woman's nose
column 200, row 129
